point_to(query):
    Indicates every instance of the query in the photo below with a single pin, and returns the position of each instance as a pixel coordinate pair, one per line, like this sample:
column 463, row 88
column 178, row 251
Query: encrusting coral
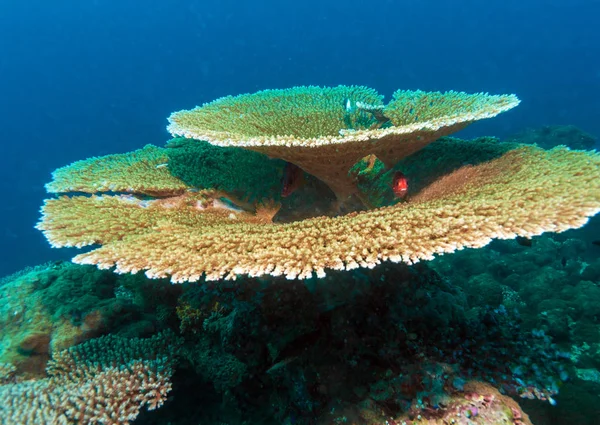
column 553, row 281
column 524, row 192
column 103, row 381
column 383, row 342
column 325, row 131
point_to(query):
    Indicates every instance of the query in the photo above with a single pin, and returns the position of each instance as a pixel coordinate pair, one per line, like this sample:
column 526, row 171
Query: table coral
column 142, row 171
column 326, row 130
column 523, row 192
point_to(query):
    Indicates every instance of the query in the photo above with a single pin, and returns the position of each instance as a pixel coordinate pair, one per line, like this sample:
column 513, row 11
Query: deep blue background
column 83, row 78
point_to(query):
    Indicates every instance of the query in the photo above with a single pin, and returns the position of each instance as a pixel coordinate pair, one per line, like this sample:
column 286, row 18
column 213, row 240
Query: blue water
column 92, row 77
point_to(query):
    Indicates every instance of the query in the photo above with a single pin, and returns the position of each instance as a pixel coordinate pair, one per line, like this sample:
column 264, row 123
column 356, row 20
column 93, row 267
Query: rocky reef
column 550, row 136
column 552, row 281
column 429, row 343
column 305, row 229
column 395, row 343
column 404, row 344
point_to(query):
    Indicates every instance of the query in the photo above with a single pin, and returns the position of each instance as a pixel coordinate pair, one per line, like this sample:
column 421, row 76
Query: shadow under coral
column 368, row 345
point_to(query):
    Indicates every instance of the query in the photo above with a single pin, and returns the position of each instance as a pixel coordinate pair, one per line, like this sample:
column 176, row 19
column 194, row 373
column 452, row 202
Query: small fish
column 293, row 178
column 226, row 204
column 597, row 243
column 400, row 185
column 348, row 105
column 523, row 241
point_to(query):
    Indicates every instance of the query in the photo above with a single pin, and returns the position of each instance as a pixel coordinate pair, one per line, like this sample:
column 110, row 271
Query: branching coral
column 105, row 381
column 523, row 192
column 326, row 130
column 143, row 171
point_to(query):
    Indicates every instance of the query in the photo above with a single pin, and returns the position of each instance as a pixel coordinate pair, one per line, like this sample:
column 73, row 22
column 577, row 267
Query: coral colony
column 294, row 221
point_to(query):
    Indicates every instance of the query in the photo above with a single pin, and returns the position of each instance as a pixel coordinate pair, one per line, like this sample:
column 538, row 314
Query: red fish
column 293, row 177
column 400, row 185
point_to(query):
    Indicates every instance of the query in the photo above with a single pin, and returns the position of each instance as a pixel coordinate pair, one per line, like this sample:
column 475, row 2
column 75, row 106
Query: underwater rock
column 550, row 136
column 476, row 404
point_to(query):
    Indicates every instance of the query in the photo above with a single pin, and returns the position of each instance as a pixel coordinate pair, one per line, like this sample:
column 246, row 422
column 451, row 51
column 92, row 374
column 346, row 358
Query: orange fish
column 400, row 185
column 293, row 177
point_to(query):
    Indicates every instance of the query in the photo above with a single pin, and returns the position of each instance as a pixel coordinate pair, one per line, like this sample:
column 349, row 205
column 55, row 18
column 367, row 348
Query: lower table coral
column 103, row 381
column 142, row 171
column 524, row 192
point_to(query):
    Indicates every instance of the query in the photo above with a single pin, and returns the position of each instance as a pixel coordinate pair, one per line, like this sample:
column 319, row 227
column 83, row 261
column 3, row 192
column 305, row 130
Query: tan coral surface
column 525, row 192
column 142, row 171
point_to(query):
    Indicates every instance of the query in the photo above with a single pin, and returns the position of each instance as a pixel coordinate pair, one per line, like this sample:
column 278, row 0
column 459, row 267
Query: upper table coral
column 326, row 130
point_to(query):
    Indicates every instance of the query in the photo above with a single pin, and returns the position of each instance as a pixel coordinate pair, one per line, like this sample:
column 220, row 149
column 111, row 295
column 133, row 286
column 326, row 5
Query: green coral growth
column 234, row 170
column 55, row 306
column 373, row 181
column 424, row 167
